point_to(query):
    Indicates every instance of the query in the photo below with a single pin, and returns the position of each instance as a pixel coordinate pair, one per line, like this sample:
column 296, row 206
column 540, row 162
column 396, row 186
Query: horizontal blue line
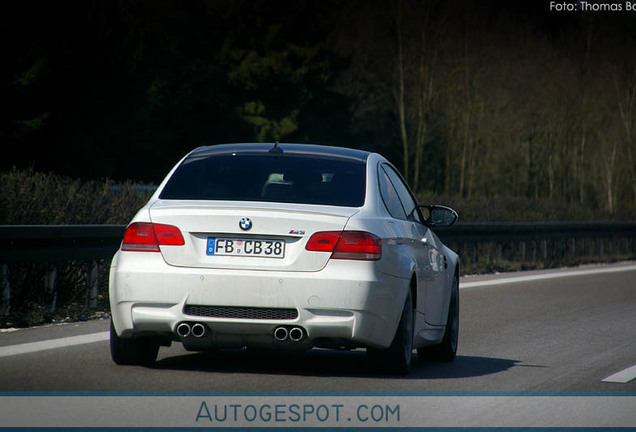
column 311, row 429
column 321, row 394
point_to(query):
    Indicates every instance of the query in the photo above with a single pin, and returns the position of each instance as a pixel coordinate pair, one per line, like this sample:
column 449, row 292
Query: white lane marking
column 32, row 347
column 537, row 277
column 623, row 376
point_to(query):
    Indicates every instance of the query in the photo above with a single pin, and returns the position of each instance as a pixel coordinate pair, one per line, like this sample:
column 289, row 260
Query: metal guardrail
column 501, row 246
column 51, row 243
column 481, row 246
column 56, row 244
column 512, row 231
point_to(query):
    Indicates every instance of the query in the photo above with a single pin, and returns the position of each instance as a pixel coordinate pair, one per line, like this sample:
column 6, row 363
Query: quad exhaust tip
column 197, row 330
column 281, row 334
column 184, row 330
column 295, row 334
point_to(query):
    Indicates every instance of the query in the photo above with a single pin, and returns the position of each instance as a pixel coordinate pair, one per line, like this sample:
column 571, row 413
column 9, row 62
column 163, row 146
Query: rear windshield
column 289, row 179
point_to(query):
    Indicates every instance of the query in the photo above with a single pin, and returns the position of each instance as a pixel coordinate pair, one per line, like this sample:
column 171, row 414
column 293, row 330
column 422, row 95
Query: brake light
column 351, row 245
column 147, row 237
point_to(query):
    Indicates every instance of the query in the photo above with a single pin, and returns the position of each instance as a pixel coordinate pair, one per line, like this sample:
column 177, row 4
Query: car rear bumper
column 346, row 303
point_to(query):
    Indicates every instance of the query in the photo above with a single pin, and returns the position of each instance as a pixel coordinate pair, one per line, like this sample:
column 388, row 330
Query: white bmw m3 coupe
column 285, row 246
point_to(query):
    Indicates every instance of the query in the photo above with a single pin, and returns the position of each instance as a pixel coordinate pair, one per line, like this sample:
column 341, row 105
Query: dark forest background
column 487, row 101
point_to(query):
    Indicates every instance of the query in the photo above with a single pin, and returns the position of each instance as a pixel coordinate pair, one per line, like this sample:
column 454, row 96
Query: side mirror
column 439, row 216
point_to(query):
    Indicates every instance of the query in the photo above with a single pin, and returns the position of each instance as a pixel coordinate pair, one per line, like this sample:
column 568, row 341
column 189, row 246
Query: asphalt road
column 556, row 331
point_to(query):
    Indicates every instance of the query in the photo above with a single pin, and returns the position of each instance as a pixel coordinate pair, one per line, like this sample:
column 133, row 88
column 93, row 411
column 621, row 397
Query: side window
column 390, row 196
column 410, row 206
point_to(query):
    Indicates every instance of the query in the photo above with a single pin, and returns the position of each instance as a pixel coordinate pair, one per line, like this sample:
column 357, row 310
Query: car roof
column 312, row 150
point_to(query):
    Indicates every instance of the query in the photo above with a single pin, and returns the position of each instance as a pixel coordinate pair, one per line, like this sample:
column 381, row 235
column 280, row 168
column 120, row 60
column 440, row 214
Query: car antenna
column 276, row 150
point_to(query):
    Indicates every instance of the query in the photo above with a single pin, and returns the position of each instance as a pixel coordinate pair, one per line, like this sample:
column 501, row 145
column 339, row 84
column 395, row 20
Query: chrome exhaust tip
column 199, row 330
column 281, row 334
column 296, row 334
column 183, row 330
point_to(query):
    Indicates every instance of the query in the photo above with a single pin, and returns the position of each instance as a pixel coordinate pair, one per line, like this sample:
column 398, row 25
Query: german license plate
column 222, row 246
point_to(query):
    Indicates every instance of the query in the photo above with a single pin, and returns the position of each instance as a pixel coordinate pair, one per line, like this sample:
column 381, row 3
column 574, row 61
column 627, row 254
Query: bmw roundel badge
column 245, row 224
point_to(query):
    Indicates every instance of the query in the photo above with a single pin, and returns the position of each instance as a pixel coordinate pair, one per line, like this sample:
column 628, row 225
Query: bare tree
column 399, row 96
column 626, row 98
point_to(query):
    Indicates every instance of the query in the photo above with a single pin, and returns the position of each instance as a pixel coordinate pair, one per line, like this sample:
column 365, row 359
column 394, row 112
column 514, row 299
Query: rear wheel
column 396, row 359
column 134, row 351
column 447, row 349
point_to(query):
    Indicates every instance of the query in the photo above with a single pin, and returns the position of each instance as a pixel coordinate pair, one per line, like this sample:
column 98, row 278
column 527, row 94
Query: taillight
column 147, row 237
column 324, row 241
column 352, row 245
column 358, row 245
column 168, row 235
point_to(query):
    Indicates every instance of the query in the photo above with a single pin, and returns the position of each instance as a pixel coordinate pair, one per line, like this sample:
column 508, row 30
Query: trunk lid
column 275, row 240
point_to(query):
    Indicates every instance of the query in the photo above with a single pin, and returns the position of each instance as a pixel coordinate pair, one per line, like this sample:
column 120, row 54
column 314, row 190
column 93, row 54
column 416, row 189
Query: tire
column 396, row 359
column 139, row 351
column 446, row 351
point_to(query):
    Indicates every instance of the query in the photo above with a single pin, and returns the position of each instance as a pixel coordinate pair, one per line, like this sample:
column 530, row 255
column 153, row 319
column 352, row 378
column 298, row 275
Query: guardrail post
column 50, row 285
column 5, row 300
column 92, row 271
column 544, row 250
